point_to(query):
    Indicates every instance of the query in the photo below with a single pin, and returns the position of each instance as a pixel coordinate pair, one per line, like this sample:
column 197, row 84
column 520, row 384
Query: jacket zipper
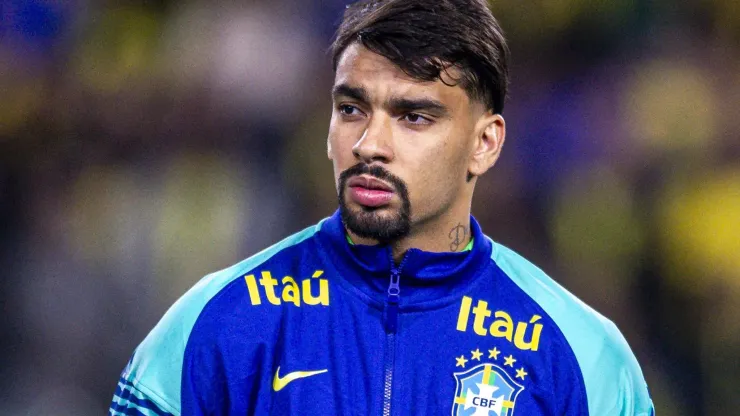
column 391, row 326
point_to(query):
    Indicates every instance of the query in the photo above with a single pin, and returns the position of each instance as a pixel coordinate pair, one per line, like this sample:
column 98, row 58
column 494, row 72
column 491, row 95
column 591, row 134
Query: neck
column 448, row 233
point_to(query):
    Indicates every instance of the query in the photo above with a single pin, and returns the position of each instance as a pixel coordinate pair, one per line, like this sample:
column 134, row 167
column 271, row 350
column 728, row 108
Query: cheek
column 438, row 174
column 336, row 146
column 441, row 161
column 432, row 175
column 341, row 139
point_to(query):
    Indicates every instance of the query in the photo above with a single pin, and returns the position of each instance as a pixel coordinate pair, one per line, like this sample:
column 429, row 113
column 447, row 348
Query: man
column 398, row 304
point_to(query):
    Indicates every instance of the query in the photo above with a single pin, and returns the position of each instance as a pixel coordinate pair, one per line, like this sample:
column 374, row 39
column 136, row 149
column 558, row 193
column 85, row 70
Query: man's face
column 401, row 148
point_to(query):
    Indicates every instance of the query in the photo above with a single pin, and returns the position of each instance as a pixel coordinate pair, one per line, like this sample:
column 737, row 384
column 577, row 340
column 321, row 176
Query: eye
column 349, row 110
column 414, row 118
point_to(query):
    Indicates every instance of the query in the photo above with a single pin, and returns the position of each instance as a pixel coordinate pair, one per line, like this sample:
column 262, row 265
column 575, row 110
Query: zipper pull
column 394, row 295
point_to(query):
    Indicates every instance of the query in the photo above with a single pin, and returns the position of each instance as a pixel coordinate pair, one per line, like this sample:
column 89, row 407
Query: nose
column 375, row 145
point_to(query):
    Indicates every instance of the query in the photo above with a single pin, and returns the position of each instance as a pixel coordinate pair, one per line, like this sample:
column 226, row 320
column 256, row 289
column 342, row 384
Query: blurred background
column 144, row 144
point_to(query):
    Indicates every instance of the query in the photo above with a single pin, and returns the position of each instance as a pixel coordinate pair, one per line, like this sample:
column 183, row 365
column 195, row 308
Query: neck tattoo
column 457, row 235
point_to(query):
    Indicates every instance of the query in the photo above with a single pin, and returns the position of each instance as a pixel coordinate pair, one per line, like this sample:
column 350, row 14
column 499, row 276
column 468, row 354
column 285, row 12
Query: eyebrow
column 407, row 105
column 357, row 93
column 395, row 104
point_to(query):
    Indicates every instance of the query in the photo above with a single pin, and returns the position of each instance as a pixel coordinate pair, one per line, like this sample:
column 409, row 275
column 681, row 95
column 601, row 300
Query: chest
column 468, row 358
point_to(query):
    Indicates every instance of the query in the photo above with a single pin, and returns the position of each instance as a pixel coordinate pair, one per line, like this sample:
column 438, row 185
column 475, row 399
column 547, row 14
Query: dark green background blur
column 146, row 143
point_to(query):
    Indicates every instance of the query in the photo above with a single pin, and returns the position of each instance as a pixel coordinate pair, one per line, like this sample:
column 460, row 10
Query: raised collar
column 425, row 277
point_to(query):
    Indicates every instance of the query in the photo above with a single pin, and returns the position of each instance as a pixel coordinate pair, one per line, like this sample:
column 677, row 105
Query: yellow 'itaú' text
column 290, row 291
column 501, row 327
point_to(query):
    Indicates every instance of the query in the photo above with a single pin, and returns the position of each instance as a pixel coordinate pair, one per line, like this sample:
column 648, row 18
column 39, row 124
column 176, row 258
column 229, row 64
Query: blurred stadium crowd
column 146, row 143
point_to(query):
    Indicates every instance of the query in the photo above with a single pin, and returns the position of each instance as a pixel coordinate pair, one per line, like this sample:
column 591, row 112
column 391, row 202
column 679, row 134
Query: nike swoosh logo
column 279, row 383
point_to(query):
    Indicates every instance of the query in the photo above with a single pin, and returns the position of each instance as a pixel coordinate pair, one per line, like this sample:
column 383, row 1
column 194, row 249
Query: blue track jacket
column 316, row 326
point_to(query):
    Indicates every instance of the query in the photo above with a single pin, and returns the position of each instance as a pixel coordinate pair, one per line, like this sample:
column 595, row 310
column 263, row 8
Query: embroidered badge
column 486, row 389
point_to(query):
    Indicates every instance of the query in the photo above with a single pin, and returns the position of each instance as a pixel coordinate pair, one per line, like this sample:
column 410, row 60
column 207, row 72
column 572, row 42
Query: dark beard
column 366, row 222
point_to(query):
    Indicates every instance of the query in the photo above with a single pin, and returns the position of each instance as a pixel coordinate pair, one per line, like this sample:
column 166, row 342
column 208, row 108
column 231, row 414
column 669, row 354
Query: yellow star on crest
column 493, row 353
column 520, row 373
column 510, row 360
column 476, row 354
column 461, row 361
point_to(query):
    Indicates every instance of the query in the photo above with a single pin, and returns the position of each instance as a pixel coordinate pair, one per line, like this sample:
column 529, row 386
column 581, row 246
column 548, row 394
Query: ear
column 490, row 136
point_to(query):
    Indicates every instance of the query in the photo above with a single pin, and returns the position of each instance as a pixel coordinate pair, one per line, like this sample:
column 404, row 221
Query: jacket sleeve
column 615, row 383
column 151, row 382
column 134, row 399
column 162, row 378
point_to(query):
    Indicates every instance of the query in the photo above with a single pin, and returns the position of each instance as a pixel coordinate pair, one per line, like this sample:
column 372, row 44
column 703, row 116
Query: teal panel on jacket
column 614, row 382
column 156, row 367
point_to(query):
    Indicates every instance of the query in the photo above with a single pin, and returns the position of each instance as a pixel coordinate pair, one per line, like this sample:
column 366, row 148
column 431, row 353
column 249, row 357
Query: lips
column 369, row 191
column 368, row 182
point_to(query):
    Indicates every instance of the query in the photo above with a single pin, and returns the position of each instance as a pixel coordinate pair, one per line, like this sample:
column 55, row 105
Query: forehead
column 358, row 66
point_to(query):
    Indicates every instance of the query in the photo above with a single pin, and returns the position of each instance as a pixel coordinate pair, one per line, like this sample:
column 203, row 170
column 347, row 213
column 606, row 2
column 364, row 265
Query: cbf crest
column 485, row 390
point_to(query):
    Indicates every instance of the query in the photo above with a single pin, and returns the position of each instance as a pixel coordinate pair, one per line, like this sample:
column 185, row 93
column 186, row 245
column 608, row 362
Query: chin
column 383, row 224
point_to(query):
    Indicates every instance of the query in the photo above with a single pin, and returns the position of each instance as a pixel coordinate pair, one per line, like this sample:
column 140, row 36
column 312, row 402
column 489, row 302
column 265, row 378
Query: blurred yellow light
column 122, row 44
column 700, row 231
column 670, row 106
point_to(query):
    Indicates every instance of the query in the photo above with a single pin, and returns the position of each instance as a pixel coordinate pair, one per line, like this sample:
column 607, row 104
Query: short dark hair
column 425, row 37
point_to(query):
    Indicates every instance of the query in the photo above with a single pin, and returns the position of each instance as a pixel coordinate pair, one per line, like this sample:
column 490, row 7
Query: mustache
column 376, row 171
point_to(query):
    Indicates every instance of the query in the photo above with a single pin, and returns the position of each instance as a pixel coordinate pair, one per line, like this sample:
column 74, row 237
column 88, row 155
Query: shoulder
column 613, row 378
column 575, row 318
column 156, row 366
